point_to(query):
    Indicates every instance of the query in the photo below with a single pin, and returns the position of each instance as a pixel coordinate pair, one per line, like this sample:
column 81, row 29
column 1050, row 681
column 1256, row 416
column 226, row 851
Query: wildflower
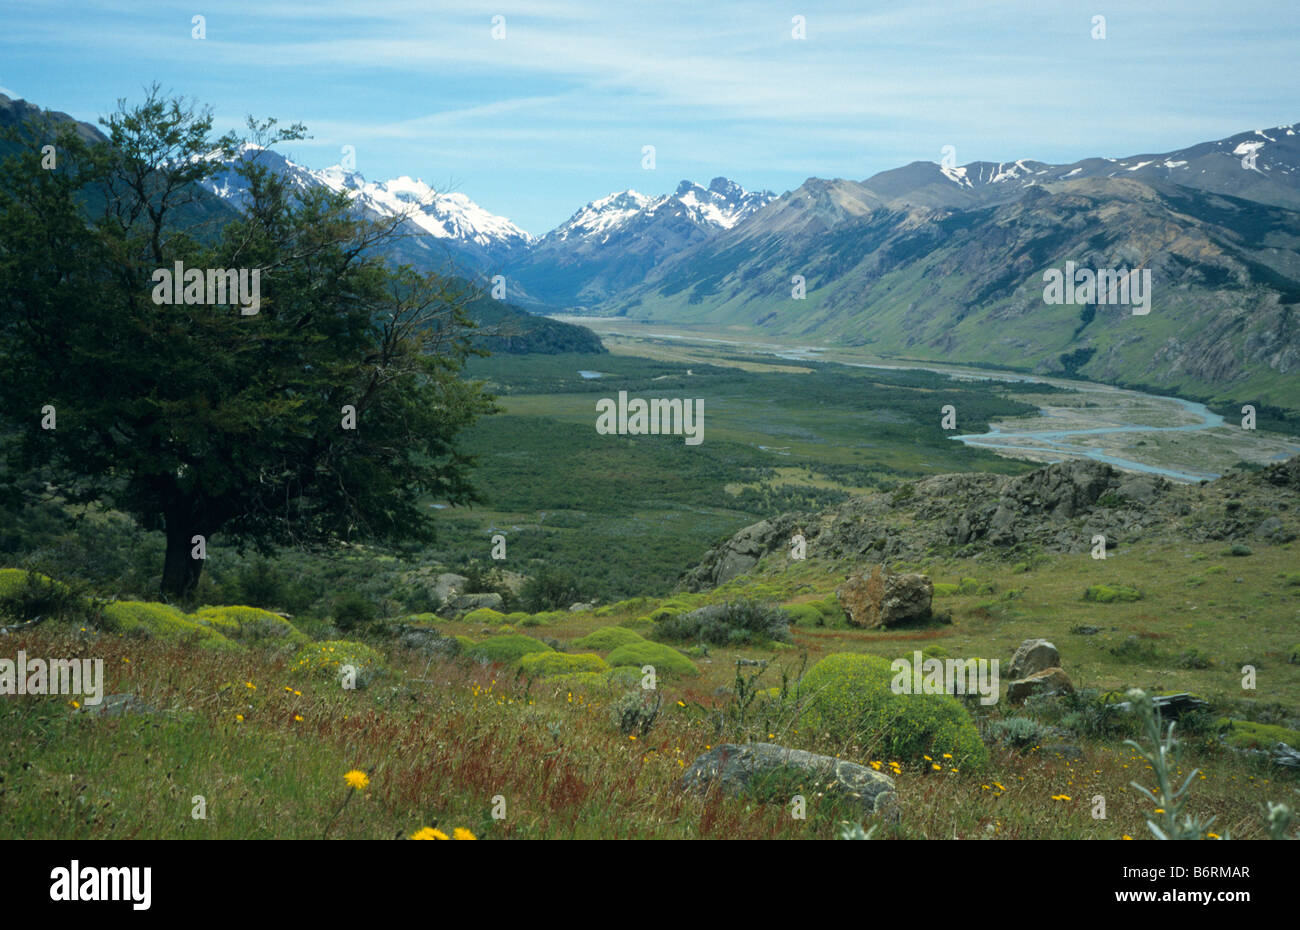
column 356, row 778
column 1213, row 836
column 239, row 718
column 460, row 833
column 297, row 718
column 1127, row 837
column 947, row 755
column 632, row 736
column 250, row 686
column 75, row 705
column 680, row 704
column 936, row 766
column 1060, row 797
column 428, row 833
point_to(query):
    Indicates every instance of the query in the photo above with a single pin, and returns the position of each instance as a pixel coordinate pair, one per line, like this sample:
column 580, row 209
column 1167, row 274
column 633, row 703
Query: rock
column 464, row 603
column 741, row 552
column 1033, row 655
column 733, row 768
column 885, row 599
column 1047, row 681
column 429, row 642
column 579, row 606
column 118, row 705
column 447, row 586
column 1171, row 706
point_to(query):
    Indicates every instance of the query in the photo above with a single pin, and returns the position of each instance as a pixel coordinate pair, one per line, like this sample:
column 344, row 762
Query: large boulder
column 1047, row 681
column 464, row 603
column 884, row 598
column 447, row 586
column 1032, row 656
column 735, row 769
column 742, row 552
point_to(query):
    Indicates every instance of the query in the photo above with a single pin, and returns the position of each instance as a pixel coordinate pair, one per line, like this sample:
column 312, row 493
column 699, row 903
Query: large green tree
column 199, row 419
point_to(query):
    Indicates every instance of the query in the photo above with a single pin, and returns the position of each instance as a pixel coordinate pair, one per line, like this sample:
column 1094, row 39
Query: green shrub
column 327, row 658
column 506, row 649
column 640, row 624
column 466, row 643
column 625, row 676
column 848, row 697
column 1294, row 656
column 832, row 611
column 485, row 616
column 663, row 658
column 28, row 595
column 250, row 623
column 583, row 682
column 945, row 589
column 544, row 664
column 1292, row 579
column 1133, row 649
column 353, row 612
column 147, row 619
column 730, row 624
column 1018, row 732
column 1194, row 658
column 1107, row 594
column 934, row 651
column 805, row 615
column 1238, row 549
column 1246, row 734
column 607, row 638
column 636, row 711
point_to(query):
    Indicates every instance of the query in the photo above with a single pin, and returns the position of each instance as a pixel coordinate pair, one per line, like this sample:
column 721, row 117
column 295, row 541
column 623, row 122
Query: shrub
column 805, row 614
column 1246, row 734
column 327, row 658
column 607, row 638
column 732, row 623
column 848, row 697
column 934, row 651
column 1292, row 579
column 1019, row 732
column 584, row 682
column 250, row 623
column 640, row 624
column 1133, row 649
column 636, row 711
column 1107, row 594
column 28, row 595
column 549, row 589
column 484, row 616
column 1238, row 549
column 1294, row 657
column 352, row 611
column 544, row 664
column 147, row 620
column 625, row 676
column 663, row 658
column 1194, row 658
column 506, row 649
column 945, row 589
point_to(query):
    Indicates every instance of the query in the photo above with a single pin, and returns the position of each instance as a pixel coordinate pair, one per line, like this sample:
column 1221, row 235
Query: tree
column 201, row 418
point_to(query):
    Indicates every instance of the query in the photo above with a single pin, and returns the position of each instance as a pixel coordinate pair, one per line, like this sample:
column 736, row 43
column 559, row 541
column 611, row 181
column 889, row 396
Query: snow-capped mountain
column 476, row 235
column 721, row 205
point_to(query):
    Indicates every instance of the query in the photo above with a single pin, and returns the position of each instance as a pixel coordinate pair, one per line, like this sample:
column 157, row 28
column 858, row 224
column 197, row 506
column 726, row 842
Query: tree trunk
column 181, row 570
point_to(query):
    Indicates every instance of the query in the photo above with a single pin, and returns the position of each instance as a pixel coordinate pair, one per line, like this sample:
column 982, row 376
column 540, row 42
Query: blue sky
column 555, row 114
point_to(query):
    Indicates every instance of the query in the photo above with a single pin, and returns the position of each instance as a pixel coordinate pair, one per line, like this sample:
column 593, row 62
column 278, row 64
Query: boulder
column 429, row 642
column 733, row 769
column 884, row 598
column 1033, row 655
column 464, row 603
column 1047, row 681
column 447, row 586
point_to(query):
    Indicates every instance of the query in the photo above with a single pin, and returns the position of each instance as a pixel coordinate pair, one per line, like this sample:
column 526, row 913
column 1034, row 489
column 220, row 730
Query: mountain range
column 928, row 262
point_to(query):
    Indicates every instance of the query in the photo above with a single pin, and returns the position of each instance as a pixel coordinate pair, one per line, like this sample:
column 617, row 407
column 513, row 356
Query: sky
column 557, row 110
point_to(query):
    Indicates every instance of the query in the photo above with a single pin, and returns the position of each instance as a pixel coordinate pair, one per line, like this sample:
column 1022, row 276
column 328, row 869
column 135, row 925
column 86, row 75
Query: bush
column 1294, row 657
column 506, row 649
column 28, row 595
column 1133, row 649
column 544, row 664
column 1238, row 549
column 583, row 682
column 485, row 616
column 1246, row 734
column 549, row 589
column 732, row 623
column 147, row 620
column 945, row 589
column 663, row 658
column 636, row 712
column 352, row 611
column 1107, row 594
column 327, row 658
column 607, row 638
column 848, row 697
column 1194, row 658
column 250, row 623
column 638, row 624
column 805, row 615
column 625, row 676
column 1018, row 732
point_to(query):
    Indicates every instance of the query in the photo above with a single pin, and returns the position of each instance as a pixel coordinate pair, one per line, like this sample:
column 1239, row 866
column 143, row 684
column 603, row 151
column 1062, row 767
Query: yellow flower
column 947, row 755
column 928, row 759
column 356, row 778
column 249, row 684
column 1213, row 836
column 1060, row 797
column 297, row 718
column 75, row 705
column 936, row 766
column 680, row 704
column 631, row 736
column 460, row 833
column 1160, row 810
column 428, row 833
column 239, row 717
column 1127, row 837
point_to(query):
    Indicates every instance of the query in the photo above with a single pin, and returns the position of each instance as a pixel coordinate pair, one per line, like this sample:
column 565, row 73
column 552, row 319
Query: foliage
column 506, row 649
column 849, row 698
column 665, row 659
column 608, row 637
column 1169, row 801
column 1107, row 594
column 545, row 664
column 728, row 624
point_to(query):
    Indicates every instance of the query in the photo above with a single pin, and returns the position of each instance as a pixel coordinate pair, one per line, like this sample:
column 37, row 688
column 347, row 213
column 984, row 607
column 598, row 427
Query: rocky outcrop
column 884, row 598
column 1032, row 656
column 1048, row 681
column 736, row 770
column 742, row 552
